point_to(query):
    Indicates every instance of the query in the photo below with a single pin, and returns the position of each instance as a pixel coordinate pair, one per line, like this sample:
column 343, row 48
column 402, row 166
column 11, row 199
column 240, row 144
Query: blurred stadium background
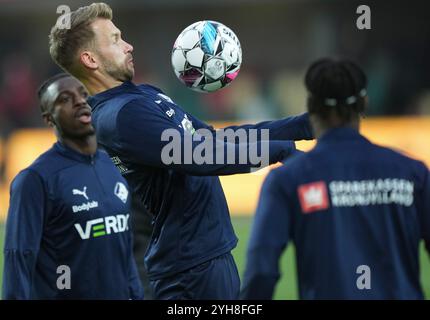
column 279, row 39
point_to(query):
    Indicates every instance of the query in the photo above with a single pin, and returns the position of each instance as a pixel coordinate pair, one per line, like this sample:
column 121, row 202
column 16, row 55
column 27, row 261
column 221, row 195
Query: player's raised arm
column 23, row 234
column 269, row 237
column 150, row 144
column 289, row 128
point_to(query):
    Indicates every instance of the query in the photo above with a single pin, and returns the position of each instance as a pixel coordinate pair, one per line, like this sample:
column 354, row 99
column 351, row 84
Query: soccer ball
column 206, row 56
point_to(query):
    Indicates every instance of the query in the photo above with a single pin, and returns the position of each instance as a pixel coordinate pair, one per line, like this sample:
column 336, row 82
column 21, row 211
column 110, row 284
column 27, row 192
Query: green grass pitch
column 287, row 286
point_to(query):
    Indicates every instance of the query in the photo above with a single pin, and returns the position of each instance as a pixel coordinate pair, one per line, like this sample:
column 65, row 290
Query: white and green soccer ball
column 206, row 56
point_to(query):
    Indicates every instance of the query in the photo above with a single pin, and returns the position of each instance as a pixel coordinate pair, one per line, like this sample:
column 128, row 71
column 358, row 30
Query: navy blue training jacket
column 356, row 213
column 69, row 212
column 191, row 218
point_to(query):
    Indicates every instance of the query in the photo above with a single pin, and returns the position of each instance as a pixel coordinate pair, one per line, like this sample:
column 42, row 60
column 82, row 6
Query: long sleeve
column 290, row 128
column 135, row 285
column 24, row 229
column 269, row 237
column 150, row 144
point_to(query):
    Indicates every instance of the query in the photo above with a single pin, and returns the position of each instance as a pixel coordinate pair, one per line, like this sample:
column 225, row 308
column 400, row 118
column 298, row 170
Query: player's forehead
column 104, row 27
column 62, row 86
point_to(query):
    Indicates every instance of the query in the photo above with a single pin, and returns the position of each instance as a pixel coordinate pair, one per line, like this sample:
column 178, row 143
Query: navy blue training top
column 191, row 217
column 356, row 213
column 68, row 230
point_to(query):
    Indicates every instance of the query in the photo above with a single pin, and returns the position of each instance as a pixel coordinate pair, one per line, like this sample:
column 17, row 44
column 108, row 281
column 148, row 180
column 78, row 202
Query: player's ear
column 362, row 107
column 366, row 103
column 87, row 59
column 48, row 119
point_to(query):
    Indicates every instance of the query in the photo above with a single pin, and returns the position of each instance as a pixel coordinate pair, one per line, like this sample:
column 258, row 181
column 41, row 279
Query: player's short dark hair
column 336, row 86
column 44, row 86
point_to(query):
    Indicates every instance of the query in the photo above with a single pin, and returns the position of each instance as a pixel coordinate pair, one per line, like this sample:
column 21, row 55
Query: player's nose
column 128, row 47
column 80, row 100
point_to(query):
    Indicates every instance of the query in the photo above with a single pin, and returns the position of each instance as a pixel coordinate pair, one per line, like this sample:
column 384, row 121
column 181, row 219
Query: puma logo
column 81, row 193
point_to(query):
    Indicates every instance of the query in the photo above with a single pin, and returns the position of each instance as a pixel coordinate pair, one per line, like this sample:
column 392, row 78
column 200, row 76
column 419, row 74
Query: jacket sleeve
column 150, row 138
column 269, row 237
column 24, row 227
column 290, row 128
column 135, row 285
column 424, row 209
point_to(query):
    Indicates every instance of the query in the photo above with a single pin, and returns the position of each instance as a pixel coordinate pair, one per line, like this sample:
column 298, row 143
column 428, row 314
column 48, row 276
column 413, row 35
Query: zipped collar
column 75, row 155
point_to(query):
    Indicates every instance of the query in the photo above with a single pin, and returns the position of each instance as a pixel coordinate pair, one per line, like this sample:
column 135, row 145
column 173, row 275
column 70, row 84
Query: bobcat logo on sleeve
column 313, row 196
column 121, row 191
column 187, row 125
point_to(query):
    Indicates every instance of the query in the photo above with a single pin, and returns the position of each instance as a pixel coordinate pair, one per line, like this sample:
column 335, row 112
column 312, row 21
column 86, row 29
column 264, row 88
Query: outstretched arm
column 152, row 139
column 290, row 128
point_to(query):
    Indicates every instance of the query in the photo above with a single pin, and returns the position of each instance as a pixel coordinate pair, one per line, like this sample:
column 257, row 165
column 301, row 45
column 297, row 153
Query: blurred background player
column 189, row 254
column 69, row 208
column 349, row 206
